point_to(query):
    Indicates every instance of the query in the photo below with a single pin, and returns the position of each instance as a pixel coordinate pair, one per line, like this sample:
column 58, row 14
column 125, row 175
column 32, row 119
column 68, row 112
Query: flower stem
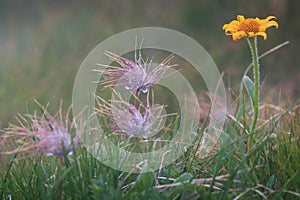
column 255, row 59
column 60, row 161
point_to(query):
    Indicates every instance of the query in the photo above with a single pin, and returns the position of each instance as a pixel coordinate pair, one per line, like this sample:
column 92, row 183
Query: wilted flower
column 144, row 121
column 249, row 27
column 47, row 134
column 135, row 76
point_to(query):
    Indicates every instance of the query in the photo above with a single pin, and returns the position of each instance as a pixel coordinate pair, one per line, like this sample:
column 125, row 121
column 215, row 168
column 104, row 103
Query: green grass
column 269, row 170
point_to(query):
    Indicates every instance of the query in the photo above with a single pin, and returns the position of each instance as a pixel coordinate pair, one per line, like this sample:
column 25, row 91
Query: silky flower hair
column 49, row 135
column 134, row 76
column 125, row 118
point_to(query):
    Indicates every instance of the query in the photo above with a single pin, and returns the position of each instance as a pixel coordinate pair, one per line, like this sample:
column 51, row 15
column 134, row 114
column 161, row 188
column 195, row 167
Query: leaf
column 271, row 181
column 249, row 85
column 186, row 177
column 145, row 181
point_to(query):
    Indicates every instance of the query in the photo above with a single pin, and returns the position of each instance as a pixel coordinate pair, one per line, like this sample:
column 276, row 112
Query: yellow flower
column 249, row 27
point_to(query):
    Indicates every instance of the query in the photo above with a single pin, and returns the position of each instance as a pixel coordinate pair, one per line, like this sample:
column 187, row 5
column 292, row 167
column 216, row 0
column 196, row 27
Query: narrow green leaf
column 144, row 182
column 186, row 177
column 271, row 182
column 249, row 85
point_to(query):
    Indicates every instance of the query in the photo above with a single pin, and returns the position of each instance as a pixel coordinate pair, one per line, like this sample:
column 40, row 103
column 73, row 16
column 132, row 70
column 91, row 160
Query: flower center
column 249, row 25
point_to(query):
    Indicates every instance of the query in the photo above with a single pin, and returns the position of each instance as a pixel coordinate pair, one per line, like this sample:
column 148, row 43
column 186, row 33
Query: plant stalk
column 255, row 60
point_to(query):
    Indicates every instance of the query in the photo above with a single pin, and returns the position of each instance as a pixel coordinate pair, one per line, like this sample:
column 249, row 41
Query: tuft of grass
column 269, row 171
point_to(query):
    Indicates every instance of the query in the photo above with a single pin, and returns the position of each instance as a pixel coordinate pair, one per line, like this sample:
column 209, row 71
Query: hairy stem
column 60, row 181
column 255, row 60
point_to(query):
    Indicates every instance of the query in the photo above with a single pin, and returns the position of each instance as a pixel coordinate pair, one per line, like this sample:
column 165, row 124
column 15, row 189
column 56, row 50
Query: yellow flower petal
column 251, row 34
column 228, row 31
column 270, row 17
column 262, row 29
column 235, row 22
column 240, row 18
column 262, row 34
column 238, row 35
column 272, row 23
column 225, row 26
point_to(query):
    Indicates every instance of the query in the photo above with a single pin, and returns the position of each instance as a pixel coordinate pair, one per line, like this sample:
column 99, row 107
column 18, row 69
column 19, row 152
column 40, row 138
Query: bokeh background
column 42, row 43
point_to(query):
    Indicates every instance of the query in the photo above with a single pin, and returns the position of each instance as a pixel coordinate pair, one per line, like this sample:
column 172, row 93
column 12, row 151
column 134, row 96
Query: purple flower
column 144, row 121
column 49, row 135
column 135, row 76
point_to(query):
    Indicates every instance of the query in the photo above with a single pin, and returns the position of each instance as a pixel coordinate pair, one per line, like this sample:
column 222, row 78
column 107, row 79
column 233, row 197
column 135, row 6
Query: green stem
column 255, row 59
column 60, row 181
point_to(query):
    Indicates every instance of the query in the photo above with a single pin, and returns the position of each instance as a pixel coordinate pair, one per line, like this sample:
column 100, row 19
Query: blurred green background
column 42, row 43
